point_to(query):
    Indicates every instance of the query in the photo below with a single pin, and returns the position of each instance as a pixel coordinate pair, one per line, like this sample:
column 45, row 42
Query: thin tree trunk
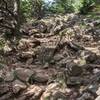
column 17, row 15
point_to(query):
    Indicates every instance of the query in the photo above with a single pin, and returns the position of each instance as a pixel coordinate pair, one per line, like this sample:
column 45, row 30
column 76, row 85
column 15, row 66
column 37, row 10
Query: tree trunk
column 17, row 16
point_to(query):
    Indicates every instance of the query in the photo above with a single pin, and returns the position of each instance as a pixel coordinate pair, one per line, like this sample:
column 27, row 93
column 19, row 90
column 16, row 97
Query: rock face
column 74, row 70
column 98, row 94
column 88, row 56
column 53, row 60
column 53, row 93
column 86, row 96
column 23, row 74
column 7, row 49
column 3, row 89
column 98, row 98
column 25, row 43
column 9, row 76
column 34, row 92
column 98, row 91
column 18, row 86
column 40, row 77
column 74, row 81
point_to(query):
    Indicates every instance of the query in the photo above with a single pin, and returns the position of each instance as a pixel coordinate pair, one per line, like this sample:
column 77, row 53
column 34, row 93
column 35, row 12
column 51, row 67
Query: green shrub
column 87, row 6
column 62, row 6
column 67, row 6
column 56, row 8
column 26, row 7
column 77, row 5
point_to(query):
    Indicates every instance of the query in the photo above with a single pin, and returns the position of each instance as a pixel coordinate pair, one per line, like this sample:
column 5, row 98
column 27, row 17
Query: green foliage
column 62, row 6
column 38, row 8
column 77, row 5
column 26, row 6
column 67, row 6
column 87, row 6
column 56, row 8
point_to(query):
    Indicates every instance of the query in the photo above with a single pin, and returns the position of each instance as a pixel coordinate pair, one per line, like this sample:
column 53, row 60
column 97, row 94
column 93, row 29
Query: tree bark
column 17, row 16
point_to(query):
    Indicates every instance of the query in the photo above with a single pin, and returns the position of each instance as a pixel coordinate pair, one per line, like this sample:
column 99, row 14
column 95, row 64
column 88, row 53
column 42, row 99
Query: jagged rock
column 77, row 75
column 29, row 61
column 3, row 89
column 23, row 74
column 25, row 44
column 96, row 23
column 45, row 54
column 88, row 56
column 18, row 86
column 87, row 38
column 98, row 98
column 74, row 81
column 49, row 27
column 33, row 31
column 7, row 49
column 9, row 77
column 62, row 63
column 53, row 92
column 86, row 96
column 1, row 80
column 2, row 66
column 36, row 43
column 7, row 96
column 20, row 98
column 74, row 46
column 38, row 78
column 1, row 76
column 96, row 70
column 98, row 91
column 80, row 61
column 58, row 27
column 93, row 88
column 27, row 55
column 53, row 86
column 42, row 27
column 33, row 92
column 73, row 69
column 58, row 57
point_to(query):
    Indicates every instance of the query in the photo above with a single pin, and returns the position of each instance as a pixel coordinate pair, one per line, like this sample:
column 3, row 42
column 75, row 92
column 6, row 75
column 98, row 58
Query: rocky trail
column 56, row 58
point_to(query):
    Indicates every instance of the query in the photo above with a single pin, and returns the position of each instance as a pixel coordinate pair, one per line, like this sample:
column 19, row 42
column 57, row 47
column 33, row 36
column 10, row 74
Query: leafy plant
column 38, row 8
column 26, row 6
column 67, row 6
column 87, row 6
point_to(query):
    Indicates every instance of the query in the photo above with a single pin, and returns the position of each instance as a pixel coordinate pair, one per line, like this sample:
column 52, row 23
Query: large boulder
column 18, row 86
column 53, row 92
column 33, row 92
column 9, row 77
column 23, row 74
column 73, row 69
column 39, row 77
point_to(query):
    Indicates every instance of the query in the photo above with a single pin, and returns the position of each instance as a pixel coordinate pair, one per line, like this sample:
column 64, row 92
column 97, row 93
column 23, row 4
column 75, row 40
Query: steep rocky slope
column 56, row 58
